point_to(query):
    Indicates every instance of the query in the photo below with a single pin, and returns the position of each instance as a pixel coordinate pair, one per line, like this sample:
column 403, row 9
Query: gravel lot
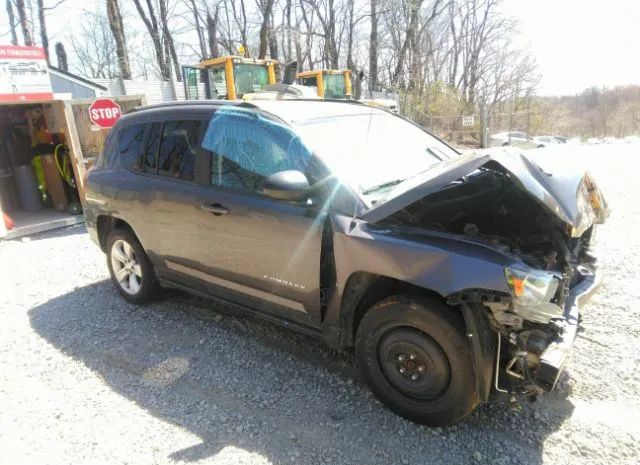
column 87, row 378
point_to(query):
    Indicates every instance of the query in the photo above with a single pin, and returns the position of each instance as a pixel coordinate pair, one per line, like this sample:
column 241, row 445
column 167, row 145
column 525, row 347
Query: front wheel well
column 363, row 290
column 106, row 224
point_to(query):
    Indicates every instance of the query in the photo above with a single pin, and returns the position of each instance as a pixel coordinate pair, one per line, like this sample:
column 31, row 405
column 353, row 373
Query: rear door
column 167, row 216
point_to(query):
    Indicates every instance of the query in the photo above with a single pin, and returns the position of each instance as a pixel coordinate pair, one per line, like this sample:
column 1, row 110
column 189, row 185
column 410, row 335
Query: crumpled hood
column 570, row 195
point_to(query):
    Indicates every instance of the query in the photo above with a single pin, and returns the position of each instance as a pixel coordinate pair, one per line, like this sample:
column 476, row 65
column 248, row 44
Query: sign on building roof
column 24, row 75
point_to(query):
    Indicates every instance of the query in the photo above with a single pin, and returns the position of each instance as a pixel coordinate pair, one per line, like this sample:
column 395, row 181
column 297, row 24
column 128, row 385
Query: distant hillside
column 596, row 112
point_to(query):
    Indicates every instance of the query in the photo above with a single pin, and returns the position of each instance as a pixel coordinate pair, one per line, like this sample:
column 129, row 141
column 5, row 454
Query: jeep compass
column 453, row 277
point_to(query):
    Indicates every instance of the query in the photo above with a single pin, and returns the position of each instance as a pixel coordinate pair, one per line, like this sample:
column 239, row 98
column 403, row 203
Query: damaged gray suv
column 453, row 277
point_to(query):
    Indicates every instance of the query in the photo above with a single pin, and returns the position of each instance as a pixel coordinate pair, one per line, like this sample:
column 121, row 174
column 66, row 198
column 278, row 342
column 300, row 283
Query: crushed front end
column 534, row 338
column 545, row 223
column 537, row 322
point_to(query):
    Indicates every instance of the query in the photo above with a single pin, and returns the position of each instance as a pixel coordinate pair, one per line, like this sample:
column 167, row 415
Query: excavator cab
column 329, row 83
column 227, row 78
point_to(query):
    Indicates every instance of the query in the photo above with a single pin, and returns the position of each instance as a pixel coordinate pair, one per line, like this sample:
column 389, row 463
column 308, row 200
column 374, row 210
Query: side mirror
column 286, row 185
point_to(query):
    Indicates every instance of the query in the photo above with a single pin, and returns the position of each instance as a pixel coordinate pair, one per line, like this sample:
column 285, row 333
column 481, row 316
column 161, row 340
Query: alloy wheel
column 126, row 267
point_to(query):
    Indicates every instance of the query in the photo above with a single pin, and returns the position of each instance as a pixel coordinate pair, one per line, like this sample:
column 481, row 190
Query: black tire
column 444, row 390
column 149, row 288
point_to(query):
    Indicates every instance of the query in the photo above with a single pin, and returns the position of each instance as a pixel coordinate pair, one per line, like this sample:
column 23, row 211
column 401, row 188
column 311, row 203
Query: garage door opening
column 46, row 148
column 38, row 185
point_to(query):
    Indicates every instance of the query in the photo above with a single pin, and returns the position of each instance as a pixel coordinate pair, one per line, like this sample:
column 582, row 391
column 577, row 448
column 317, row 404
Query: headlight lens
column 532, row 293
column 531, row 287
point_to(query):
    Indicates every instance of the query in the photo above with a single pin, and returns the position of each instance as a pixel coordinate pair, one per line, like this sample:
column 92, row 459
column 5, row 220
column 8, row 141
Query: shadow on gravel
column 269, row 391
column 73, row 230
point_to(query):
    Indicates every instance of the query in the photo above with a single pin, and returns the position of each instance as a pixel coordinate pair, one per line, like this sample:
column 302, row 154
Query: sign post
column 104, row 113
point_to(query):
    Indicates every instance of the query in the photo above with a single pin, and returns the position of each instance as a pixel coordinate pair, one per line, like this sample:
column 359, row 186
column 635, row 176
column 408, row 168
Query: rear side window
column 151, row 151
column 178, row 148
column 128, row 147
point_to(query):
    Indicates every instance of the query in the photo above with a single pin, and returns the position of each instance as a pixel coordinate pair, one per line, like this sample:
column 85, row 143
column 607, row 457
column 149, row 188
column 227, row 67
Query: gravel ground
column 87, row 378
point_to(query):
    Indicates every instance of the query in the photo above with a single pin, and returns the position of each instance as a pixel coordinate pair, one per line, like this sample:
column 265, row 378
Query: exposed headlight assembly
column 532, row 292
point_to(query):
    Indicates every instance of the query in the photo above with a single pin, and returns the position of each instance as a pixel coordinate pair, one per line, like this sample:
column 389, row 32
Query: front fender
column 439, row 262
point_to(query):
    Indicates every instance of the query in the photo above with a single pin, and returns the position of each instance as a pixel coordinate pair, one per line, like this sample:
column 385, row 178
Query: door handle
column 215, row 208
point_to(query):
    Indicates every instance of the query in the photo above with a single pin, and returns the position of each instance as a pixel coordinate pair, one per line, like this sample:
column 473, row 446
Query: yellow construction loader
column 329, row 83
column 228, row 77
column 337, row 84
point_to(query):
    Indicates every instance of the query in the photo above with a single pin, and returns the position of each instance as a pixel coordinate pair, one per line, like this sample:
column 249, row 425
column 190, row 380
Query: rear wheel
column 131, row 271
column 413, row 354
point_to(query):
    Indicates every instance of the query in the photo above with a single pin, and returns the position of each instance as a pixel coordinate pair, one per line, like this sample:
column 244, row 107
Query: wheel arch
column 107, row 223
column 363, row 290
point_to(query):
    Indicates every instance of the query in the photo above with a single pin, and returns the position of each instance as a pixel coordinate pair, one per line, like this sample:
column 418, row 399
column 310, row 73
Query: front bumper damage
column 554, row 357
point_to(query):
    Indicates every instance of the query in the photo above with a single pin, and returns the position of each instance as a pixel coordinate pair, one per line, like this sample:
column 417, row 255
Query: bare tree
column 306, row 19
column 24, row 22
column 117, row 29
column 94, row 47
column 197, row 24
column 61, row 54
column 239, row 12
column 266, row 8
column 287, row 22
column 170, row 48
column 42, row 22
column 12, row 23
column 212, row 32
column 373, row 46
column 327, row 13
column 411, row 33
column 150, row 21
column 44, row 38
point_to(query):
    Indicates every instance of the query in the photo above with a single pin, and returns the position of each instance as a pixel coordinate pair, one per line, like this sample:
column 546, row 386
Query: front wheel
column 413, row 354
column 131, row 270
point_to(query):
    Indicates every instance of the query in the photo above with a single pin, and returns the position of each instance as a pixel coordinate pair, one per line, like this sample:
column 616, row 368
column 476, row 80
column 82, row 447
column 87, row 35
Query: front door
column 257, row 250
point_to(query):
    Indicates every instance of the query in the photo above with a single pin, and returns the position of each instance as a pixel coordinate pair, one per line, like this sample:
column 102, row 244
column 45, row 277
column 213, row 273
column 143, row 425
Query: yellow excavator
column 329, row 83
column 228, row 78
column 235, row 77
column 337, row 84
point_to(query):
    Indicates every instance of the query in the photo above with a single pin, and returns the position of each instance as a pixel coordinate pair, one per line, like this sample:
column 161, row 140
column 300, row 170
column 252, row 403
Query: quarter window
column 129, row 145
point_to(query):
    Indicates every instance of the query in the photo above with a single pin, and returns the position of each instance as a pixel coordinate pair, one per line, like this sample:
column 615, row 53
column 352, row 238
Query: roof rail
column 320, row 100
column 188, row 103
column 237, row 103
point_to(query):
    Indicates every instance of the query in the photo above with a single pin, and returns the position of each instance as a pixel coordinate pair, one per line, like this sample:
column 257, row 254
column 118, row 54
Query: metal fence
column 477, row 129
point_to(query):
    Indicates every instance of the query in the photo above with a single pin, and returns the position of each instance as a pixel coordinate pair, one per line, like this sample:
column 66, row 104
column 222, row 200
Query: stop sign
column 104, row 112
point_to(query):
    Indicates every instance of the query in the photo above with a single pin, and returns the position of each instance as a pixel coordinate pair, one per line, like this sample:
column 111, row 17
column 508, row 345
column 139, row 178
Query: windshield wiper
column 382, row 186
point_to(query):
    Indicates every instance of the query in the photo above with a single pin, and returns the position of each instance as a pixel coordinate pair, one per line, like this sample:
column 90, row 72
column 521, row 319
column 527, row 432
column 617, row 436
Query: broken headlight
column 532, row 293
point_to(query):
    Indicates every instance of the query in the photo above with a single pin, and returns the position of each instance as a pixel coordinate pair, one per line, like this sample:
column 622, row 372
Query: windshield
column 250, row 78
column 372, row 153
column 334, row 86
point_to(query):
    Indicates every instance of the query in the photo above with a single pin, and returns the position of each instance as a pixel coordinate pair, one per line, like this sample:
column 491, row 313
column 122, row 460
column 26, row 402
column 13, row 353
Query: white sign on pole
column 467, row 120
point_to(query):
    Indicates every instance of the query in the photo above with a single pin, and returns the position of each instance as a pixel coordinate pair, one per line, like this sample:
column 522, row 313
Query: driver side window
column 247, row 148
